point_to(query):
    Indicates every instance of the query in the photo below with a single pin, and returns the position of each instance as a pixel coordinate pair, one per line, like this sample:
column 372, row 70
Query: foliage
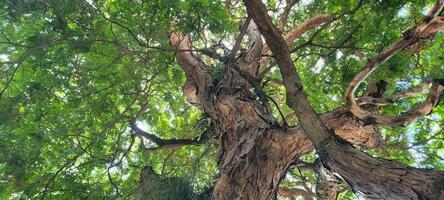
column 76, row 74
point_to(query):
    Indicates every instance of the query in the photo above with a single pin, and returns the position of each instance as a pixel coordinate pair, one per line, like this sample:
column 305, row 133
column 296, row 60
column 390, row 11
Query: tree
column 93, row 99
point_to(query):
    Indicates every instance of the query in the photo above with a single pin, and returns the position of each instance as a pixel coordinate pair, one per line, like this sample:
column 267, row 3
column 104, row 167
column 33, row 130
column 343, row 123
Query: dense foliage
column 75, row 74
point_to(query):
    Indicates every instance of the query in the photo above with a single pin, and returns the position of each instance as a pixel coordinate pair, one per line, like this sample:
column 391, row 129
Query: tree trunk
column 254, row 152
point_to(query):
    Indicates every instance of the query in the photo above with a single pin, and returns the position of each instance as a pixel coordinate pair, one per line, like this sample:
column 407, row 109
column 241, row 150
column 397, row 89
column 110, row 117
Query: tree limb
column 345, row 126
column 165, row 143
column 198, row 74
column 314, row 128
column 237, row 44
column 254, row 53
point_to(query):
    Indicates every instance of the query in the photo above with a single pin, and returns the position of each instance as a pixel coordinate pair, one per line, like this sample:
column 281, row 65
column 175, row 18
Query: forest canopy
column 96, row 95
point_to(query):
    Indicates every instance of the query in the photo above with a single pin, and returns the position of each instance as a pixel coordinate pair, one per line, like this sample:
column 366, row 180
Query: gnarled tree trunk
column 254, row 151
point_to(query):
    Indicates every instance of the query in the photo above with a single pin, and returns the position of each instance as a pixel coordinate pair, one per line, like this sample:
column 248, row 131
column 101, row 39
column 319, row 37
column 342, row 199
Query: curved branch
column 411, row 116
column 308, row 25
column 427, row 28
column 198, row 75
column 193, row 67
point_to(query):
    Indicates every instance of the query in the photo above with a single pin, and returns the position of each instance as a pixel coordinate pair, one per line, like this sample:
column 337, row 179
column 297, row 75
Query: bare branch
column 308, row 25
column 166, row 143
column 198, row 75
column 193, row 67
column 254, row 53
column 421, row 110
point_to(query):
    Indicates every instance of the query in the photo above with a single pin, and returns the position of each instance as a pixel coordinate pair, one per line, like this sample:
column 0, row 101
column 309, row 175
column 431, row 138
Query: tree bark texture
column 383, row 179
column 254, row 151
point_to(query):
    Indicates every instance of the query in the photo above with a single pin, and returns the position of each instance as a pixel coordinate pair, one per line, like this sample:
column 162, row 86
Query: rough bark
column 295, row 193
column 254, row 152
column 375, row 178
column 327, row 185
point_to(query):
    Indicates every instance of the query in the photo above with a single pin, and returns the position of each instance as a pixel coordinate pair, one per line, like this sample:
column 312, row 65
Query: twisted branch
column 431, row 24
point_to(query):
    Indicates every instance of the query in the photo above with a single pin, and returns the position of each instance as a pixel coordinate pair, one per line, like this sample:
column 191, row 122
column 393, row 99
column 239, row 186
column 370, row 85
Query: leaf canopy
column 75, row 74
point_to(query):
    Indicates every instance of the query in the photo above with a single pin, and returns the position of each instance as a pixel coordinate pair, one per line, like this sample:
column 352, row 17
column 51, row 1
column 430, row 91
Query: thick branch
column 374, row 178
column 254, row 53
column 198, row 75
column 314, row 128
column 193, row 67
column 345, row 125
